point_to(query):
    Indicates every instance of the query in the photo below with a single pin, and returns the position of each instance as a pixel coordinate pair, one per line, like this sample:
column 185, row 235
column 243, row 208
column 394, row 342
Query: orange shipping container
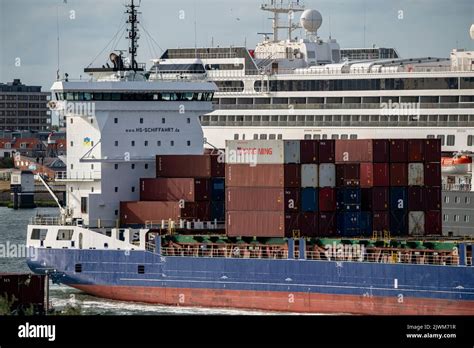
column 255, row 223
column 263, row 175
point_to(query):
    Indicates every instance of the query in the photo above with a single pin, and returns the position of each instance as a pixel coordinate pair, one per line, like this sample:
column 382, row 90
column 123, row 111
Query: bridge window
column 39, row 234
column 64, row 234
column 450, row 140
column 470, row 140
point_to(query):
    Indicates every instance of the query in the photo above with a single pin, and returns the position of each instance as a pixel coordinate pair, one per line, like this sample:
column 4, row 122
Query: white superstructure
column 301, row 88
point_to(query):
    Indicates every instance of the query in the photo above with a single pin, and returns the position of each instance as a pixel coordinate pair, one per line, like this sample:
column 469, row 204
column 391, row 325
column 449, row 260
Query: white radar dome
column 472, row 31
column 311, row 20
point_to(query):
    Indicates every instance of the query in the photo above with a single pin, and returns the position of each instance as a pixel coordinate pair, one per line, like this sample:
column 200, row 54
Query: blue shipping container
column 348, row 199
column 366, row 224
column 217, row 189
column 398, row 198
column 398, row 223
column 309, row 200
column 218, row 211
column 348, row 224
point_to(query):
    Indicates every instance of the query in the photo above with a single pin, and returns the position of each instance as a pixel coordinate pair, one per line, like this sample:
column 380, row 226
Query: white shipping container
column 254, row 151
column 416, row 223
column 327, row 175
column 416, row 174
column 292, row 151
column 309, row 175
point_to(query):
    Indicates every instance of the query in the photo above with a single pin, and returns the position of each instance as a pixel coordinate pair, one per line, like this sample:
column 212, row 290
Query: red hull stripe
column 282, row 301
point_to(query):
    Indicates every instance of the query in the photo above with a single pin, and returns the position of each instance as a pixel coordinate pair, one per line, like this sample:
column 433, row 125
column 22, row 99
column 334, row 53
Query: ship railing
column 150, row 246
column 225, row 252
column 46, row 220
column 457, row 187
column 182, row 224
column 415, row 257
column 78, row 176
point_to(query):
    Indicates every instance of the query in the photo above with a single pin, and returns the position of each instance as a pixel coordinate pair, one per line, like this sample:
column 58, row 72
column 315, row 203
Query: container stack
column 325, row 188
column 186, row 187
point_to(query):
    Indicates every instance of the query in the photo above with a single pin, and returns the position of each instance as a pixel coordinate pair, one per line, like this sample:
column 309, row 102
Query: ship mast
column 133, row 33
column 278, row 7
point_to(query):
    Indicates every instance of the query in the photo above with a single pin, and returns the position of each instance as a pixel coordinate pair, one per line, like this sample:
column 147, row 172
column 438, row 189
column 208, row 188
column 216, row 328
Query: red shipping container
column 255, row 199
column 433, row 223
column 416, row 150
column 381, row 150
column 433, row 198
column 327, row 151
column 367, row 175
column 416, row 198
column 255, row 224
column 381, row 174
column 171, row 189
column 309, row 151
column 375, row 199
column 183, row 166
column 327, row 199
column 217, row 166
column 432, row 150
column 398, row 174
column 354, row 151
column 347, row 174
column 263, row 175
column 301, row 225
column 432, row 174
column 381, row 221
column 327, row 224
column 140, row 212
column 398, row 151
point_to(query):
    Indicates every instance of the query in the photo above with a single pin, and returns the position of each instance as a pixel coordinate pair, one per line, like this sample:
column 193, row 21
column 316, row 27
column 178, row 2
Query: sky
column 28, row 29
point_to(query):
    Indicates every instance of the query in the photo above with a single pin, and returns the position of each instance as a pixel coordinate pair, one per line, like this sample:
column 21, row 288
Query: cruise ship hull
column 288, row 285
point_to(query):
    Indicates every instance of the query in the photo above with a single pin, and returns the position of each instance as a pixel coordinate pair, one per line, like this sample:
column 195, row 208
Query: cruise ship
column 310, row 88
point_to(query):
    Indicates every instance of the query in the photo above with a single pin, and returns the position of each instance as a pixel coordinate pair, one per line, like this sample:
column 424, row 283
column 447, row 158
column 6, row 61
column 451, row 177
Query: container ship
column 315, row 225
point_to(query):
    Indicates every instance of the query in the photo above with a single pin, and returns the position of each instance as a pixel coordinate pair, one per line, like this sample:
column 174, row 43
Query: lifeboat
column 456, row 165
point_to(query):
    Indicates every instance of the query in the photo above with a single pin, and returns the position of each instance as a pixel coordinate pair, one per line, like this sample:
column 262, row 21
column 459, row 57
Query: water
column 13, row 226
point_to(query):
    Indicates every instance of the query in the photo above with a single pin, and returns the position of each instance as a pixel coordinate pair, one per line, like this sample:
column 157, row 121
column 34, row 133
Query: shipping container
column 398, row 151
column 381, row 221
column 433, row 198
column 327, row 199
column 348, row 224
column 348, row 199
column 376, row 198
column 354, row 151
column 347, row 174
column 255, row 199
column 292, row 151
column 398, row 222
column 217, row 211
column 367, row 175
column 309, row 200
column 255, row 224
column 292, row 200
column 381, row 174
column 218, row 165
column 175, row 189
column 218, row 189
column 432, row 150
column 262, row 151
column 398, row 198
column 309, row 151
column 184, row 166
column 263, row 175
column 327, row 175
column 432, row 174
column 255, row 152
column 416, row 198
column 416, row 174
column 366, row 224
column 138, row 213
column 309, row 175
column 433, row 223
column 416, row 150
column 301, row 225
column 327, row 151
column 398, row 174
column 416, row 223
column 381, row 150
column 327, row 224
